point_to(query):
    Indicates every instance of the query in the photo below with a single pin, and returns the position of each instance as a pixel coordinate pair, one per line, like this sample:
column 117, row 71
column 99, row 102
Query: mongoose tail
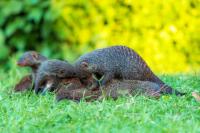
column 165, row 89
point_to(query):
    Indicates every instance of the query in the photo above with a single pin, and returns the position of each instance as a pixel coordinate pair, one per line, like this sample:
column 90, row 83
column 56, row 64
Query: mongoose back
column 118, row 62
column 114, row 89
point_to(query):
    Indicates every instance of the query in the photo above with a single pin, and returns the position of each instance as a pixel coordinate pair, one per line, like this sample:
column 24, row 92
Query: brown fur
column 77, row 91
column 24, row 84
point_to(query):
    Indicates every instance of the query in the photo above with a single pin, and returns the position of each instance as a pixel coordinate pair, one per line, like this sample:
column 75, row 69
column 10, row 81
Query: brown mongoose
column 117, row 62
column 50, row 73
column 31, row 59
column 114, row 89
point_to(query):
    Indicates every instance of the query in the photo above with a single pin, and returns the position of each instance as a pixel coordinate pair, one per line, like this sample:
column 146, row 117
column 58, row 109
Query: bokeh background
column 166, row 33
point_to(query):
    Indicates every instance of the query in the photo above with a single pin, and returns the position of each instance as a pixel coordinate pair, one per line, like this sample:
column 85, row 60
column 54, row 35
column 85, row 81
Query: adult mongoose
column 117, row 62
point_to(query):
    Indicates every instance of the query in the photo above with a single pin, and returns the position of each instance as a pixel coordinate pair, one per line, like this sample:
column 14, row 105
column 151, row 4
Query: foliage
column 27, row 25
column 27, row 112
column 164, row 33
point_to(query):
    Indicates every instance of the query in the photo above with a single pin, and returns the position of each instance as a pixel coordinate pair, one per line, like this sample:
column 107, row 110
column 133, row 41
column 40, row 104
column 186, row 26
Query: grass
column 27, row 112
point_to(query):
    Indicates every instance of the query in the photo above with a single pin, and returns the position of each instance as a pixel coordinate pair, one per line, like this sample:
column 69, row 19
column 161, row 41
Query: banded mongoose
column 114, row 89
column 30, row 59
column 50, row 73
column 117, row 62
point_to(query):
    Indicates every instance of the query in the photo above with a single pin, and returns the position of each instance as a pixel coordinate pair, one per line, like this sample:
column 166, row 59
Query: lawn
column 27, row 112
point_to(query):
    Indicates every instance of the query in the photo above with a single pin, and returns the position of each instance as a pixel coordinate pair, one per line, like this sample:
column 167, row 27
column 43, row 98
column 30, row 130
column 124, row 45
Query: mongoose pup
column 53, row 72
column 50, row 73
column 114, row 89
column 117, row 62
column 30, row 59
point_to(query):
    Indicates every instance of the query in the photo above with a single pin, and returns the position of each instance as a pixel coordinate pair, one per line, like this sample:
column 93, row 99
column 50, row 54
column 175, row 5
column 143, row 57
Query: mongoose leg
column 51, row 84
column 38, row 85
column 46, row 88
column 48, row 83
column 105, row 79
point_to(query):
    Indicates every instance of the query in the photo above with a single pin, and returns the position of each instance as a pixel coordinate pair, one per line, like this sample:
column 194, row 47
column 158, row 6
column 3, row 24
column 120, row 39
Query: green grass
column 27, row 112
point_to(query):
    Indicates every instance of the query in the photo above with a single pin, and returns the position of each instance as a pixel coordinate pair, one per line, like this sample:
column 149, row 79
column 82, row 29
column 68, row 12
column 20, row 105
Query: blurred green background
column 165, row 33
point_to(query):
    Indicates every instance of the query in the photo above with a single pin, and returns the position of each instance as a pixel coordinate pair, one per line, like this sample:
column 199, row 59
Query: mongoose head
column 88, row 69
column 30, row 59
column 91, row 70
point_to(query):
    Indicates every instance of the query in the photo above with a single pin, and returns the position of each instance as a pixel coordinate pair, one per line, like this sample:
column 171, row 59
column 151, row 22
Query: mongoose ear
column 84, row 65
